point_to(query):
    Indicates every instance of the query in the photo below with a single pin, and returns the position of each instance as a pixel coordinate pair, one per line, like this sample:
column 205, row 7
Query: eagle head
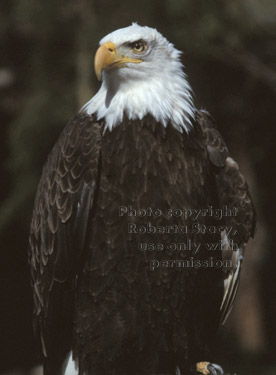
column 141, row 74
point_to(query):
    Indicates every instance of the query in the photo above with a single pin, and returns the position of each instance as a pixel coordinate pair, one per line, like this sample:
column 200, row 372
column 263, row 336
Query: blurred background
column 46, row 75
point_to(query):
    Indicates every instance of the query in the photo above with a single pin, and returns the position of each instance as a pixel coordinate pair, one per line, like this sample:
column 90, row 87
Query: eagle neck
column 166, row 100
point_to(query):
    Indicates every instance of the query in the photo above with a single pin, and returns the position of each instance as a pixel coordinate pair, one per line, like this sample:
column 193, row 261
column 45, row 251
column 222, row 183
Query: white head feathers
column 156, row 86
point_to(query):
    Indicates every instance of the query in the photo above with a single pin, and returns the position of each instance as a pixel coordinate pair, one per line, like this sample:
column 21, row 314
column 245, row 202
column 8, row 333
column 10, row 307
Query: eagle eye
column 138, row 47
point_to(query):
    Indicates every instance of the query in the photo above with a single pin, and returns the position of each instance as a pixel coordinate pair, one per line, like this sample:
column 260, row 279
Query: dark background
column 46, row 75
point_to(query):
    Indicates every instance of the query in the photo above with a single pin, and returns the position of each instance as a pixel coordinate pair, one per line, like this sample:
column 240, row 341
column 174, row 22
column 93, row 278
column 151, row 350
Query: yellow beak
column 106, row 58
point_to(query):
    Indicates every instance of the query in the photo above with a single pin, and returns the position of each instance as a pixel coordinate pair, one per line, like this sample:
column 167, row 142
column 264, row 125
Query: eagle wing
column 62, row 210
column 232, row 191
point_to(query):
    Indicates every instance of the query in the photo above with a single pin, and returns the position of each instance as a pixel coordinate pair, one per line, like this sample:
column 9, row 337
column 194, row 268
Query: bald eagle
column 139, row 224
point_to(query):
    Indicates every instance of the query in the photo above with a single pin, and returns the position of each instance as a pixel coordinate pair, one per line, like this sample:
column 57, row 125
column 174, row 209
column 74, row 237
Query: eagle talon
column 207, row 368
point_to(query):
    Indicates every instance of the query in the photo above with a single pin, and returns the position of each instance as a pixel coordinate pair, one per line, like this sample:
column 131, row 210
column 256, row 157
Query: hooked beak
column 107, row 58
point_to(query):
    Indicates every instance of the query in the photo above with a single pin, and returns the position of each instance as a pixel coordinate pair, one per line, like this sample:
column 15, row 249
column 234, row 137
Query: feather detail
column 58, row 230
column 232, row 190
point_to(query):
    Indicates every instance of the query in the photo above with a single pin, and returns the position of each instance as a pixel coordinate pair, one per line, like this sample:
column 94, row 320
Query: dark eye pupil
column 138, row 45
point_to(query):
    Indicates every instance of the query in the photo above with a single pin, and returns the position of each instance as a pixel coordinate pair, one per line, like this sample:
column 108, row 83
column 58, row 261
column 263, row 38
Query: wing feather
column 58, row 231
column 233, row 192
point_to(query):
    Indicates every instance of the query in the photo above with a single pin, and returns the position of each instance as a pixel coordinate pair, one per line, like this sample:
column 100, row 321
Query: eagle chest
column 146, row 170
column 145, row 163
